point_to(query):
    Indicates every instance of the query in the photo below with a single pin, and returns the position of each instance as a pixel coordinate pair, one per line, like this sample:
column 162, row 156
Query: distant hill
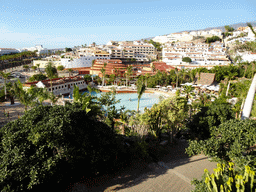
column 222, row 28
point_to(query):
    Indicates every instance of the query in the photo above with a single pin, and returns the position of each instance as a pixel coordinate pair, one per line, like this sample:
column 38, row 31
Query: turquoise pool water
column 130, row 100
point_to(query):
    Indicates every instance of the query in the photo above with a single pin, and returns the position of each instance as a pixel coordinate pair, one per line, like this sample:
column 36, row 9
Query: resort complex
column 156, row 114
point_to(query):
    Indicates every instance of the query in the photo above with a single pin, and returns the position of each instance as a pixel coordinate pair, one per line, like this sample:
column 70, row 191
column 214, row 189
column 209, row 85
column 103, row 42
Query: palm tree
column 177, row 76
column 5, row 76
column 103, row 71
column 128, row 74
column 188, row 89
column 42, row 94
column 91, row 89
column 53, row 98
column 250, row 25
column 70, row 71
column 38, row 65
column 51, row 72
column 140, row 90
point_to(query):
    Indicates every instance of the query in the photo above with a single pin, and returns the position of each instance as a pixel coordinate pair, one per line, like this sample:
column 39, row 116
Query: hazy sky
column 68, row 23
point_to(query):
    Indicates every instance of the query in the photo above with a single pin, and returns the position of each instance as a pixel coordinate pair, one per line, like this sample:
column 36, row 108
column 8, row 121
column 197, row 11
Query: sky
column 65, row 23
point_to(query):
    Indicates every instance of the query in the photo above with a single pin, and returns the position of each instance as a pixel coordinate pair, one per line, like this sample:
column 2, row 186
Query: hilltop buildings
column 201, row 54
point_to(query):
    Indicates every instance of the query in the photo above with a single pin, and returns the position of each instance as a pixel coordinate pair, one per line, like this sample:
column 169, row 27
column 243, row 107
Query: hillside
column 222, row 28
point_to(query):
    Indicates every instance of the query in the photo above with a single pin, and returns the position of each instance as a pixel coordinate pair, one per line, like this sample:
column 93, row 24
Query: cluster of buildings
column 39, row 48
column 187, row 36
column 201, row 54
column 84, row 56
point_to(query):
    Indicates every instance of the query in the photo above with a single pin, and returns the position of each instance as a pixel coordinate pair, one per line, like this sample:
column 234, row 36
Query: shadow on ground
column 138, row 172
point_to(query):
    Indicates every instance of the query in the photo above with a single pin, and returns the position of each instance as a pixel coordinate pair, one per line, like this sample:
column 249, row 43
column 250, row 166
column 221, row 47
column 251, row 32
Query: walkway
column 172, row 174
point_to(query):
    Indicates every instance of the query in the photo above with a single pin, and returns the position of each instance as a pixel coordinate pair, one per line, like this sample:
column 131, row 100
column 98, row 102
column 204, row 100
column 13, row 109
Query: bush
column 226, row 178
column 37, row 77
column 49, row 145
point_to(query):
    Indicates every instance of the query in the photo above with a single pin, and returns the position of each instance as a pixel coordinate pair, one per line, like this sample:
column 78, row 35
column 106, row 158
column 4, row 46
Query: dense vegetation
column 49, row 144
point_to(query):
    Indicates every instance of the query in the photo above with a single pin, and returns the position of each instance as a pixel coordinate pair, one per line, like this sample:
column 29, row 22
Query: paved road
column 172, row 174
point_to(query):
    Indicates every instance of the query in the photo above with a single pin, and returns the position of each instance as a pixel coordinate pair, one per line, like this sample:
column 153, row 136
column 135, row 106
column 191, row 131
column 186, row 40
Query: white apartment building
column 200, row 53
column 60, row 86
column 85, row 58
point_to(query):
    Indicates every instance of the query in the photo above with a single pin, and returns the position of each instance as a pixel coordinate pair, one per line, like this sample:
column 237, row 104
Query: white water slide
column 249, row 100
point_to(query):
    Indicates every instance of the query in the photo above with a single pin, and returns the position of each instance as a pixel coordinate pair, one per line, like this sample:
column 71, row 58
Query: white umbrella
column 169, row 86
column 158, row 86
column 188, row 83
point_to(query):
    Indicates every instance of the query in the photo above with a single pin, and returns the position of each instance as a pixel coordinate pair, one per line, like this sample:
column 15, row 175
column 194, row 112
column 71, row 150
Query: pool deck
column 131, row 90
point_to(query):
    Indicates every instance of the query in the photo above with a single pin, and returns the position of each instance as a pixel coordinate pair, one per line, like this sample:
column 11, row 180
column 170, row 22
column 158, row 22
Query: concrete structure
column 200, row 53
column 60, row 86
column 249, row 100
column 113, row 66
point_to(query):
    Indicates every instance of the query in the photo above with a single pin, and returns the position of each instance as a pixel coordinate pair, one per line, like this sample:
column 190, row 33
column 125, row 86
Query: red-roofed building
column 59, row 85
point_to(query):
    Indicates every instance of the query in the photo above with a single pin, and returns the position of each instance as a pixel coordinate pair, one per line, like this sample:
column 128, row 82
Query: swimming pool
column 130, row 100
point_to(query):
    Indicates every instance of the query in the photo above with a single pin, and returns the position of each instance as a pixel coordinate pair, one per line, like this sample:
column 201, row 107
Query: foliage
column 107, row 102
column 230, row 141
column 156, row 45
column 60, row 68
column 34, row 67
column 140, row 90
column 187, row 59
column 50, row 145
column 51, row 72
column 5, row 76
column 87, row 77
column 228, row 28
column 68, row 49
column 240, row 88
column 212, row 39
column 37, row 77
column 225, row 178
column 210, row 117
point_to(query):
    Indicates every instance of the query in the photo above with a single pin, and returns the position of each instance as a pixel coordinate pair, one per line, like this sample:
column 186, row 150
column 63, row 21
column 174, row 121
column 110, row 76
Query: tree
column 51, row 72
column 5, row 76
column 187, row 59
column 26, row 97
column 34, row 67
column 37, row 77
column 87, row 78
column 103, row 71
column 38, row 65
column 228, row 28
column 26, row 67
column 250, row 25
column 212, row 39
column 230, row 141
column 53, row 146
column 177, row 76
column 60, row 68
column 208, row 117
column 41, row 94
column 68, row 49
column 128, row 74
column 141, row 88
column 70, row 71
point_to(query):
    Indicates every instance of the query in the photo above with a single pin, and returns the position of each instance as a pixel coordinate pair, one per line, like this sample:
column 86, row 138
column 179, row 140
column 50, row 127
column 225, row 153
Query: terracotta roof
column 205, row 79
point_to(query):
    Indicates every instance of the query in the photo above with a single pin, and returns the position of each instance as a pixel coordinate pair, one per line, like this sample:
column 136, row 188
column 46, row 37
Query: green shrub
column 49, row 145
column 226, row 179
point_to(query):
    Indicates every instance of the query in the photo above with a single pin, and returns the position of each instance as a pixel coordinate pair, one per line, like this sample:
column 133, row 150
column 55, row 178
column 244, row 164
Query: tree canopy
column 53, row 144
column 187, row 59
